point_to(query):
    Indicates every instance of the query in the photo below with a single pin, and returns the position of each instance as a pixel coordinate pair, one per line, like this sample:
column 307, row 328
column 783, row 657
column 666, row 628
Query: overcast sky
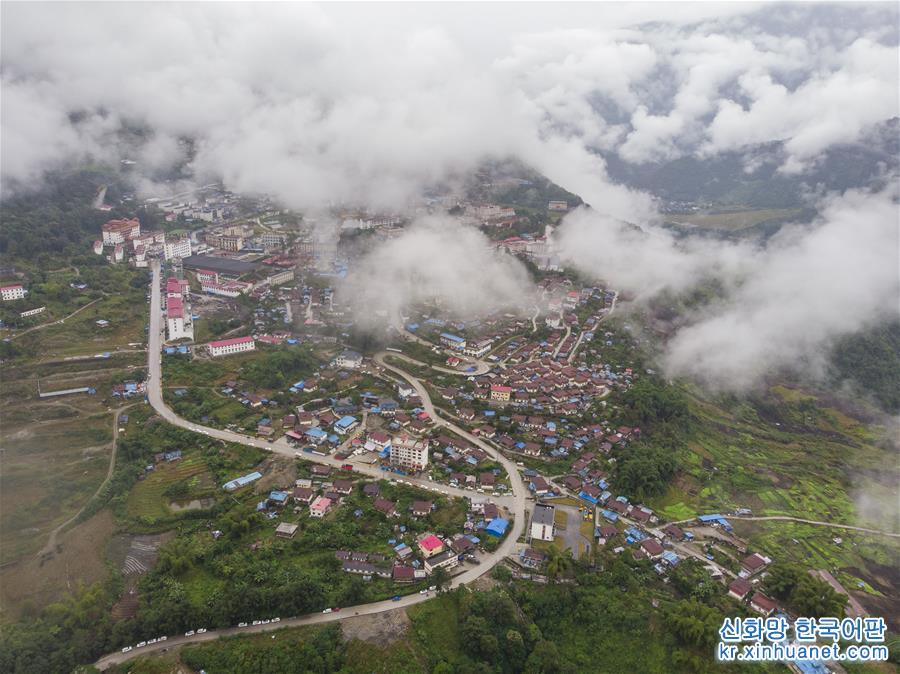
column 367, row 103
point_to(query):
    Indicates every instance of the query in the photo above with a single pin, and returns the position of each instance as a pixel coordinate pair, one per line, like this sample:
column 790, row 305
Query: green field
column 149, row 502
column 734, row 221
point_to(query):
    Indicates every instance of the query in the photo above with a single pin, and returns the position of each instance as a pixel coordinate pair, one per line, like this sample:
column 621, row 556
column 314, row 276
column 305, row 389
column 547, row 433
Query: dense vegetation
column 804, row 594
column 871, row 360
column 56, row 221
column 646, row 466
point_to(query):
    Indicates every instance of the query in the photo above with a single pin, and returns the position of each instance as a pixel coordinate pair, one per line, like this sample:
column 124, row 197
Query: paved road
column 516, row 503
column 280, row 446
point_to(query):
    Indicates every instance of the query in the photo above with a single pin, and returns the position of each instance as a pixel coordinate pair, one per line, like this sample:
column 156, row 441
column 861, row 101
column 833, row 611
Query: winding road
column 515, row 504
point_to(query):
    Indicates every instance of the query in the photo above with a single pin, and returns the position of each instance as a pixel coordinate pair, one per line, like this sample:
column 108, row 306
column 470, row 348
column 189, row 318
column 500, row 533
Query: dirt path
column 817, row 523
column 60, row 321
column 51, row 541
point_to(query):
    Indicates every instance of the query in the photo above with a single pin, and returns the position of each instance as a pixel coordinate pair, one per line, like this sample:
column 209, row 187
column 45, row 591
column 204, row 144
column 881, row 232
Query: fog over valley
column 320, row 105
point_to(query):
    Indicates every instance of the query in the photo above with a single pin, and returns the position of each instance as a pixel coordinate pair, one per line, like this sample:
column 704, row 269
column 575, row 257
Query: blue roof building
column 497, row 527
column 242, row 481
column 279, row 497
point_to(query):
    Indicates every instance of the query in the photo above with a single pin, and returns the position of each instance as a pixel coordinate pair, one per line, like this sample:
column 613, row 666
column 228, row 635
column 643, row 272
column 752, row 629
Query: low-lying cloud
column 784, row 304
column 435, row 260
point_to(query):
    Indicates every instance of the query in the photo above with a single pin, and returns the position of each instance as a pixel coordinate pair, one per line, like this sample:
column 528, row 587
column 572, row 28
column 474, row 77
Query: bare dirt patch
column 379, row 628
column 29, row 584
column 278, row 471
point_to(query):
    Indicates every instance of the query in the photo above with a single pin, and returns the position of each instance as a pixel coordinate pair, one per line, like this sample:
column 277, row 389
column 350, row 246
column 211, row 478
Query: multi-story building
column 207, row 276
column 120, row 231
column 12, row 292
column 272, row 241
column 228, row 289
column 178, row 320
column 558, row 206
column 500, row 393
column 453, row 341
column 118, row 253
column 177, row 248
column 230, row 242
column 543, row 522
column 226, row 347
column 478, row 349
column 409, row 453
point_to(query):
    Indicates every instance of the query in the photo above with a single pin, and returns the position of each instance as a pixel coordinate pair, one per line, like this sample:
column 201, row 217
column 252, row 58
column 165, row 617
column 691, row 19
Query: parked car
column 327, row 610
column 201, row 630
column 242, row 624
column 396, row 597
column 126, row 649
column 141, row 645
column 189, row 634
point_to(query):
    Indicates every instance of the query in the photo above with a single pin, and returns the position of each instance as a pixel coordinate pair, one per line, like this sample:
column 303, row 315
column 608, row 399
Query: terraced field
column 148, row 501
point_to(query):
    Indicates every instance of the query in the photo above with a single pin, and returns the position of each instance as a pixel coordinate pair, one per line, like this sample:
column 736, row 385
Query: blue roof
column 278, row 496
column 610, row 515
column 709, row 518
column 452, row 338
column 344, row 422
column 243, row 480
column 315, row 432
column 497, row 526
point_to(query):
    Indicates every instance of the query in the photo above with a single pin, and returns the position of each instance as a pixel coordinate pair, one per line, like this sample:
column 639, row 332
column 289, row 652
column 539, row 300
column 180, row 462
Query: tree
column 502, row 573
column 802, row 592
column 559, row 562
column 440, row 578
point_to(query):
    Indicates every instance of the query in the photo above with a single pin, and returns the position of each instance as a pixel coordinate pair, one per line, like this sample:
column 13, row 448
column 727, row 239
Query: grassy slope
column 793, row 455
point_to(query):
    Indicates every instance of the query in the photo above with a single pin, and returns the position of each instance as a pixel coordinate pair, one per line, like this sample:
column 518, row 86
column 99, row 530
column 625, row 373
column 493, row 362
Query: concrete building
column 445, row 560
column 500, row 393
column 226, row 347
column 12, row 292
column 453, row 341
column 177, row 248
column 542, row 522
column 120, row 231
column 409, row 453
column 320, row 507
column 349, row 359
column 178, row 320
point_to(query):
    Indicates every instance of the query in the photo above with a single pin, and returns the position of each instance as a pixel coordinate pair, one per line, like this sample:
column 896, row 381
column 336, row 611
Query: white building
column 409, row 453
column 226, row 347
column 349, row 359
column 120, row 231
column 542, row 522
column 32, row 312
column 230, row 289
column 178, row 320
column 13, row 292
column 478, row 349
column 177, row 248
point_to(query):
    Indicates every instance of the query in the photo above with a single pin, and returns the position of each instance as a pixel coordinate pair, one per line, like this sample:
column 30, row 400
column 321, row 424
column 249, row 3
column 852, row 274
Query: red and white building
column 501, row 393
column 227, row 347
column 120, row 231
column 12, row 292
column 178, row 320
column 320, row 507
column 207, row 276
